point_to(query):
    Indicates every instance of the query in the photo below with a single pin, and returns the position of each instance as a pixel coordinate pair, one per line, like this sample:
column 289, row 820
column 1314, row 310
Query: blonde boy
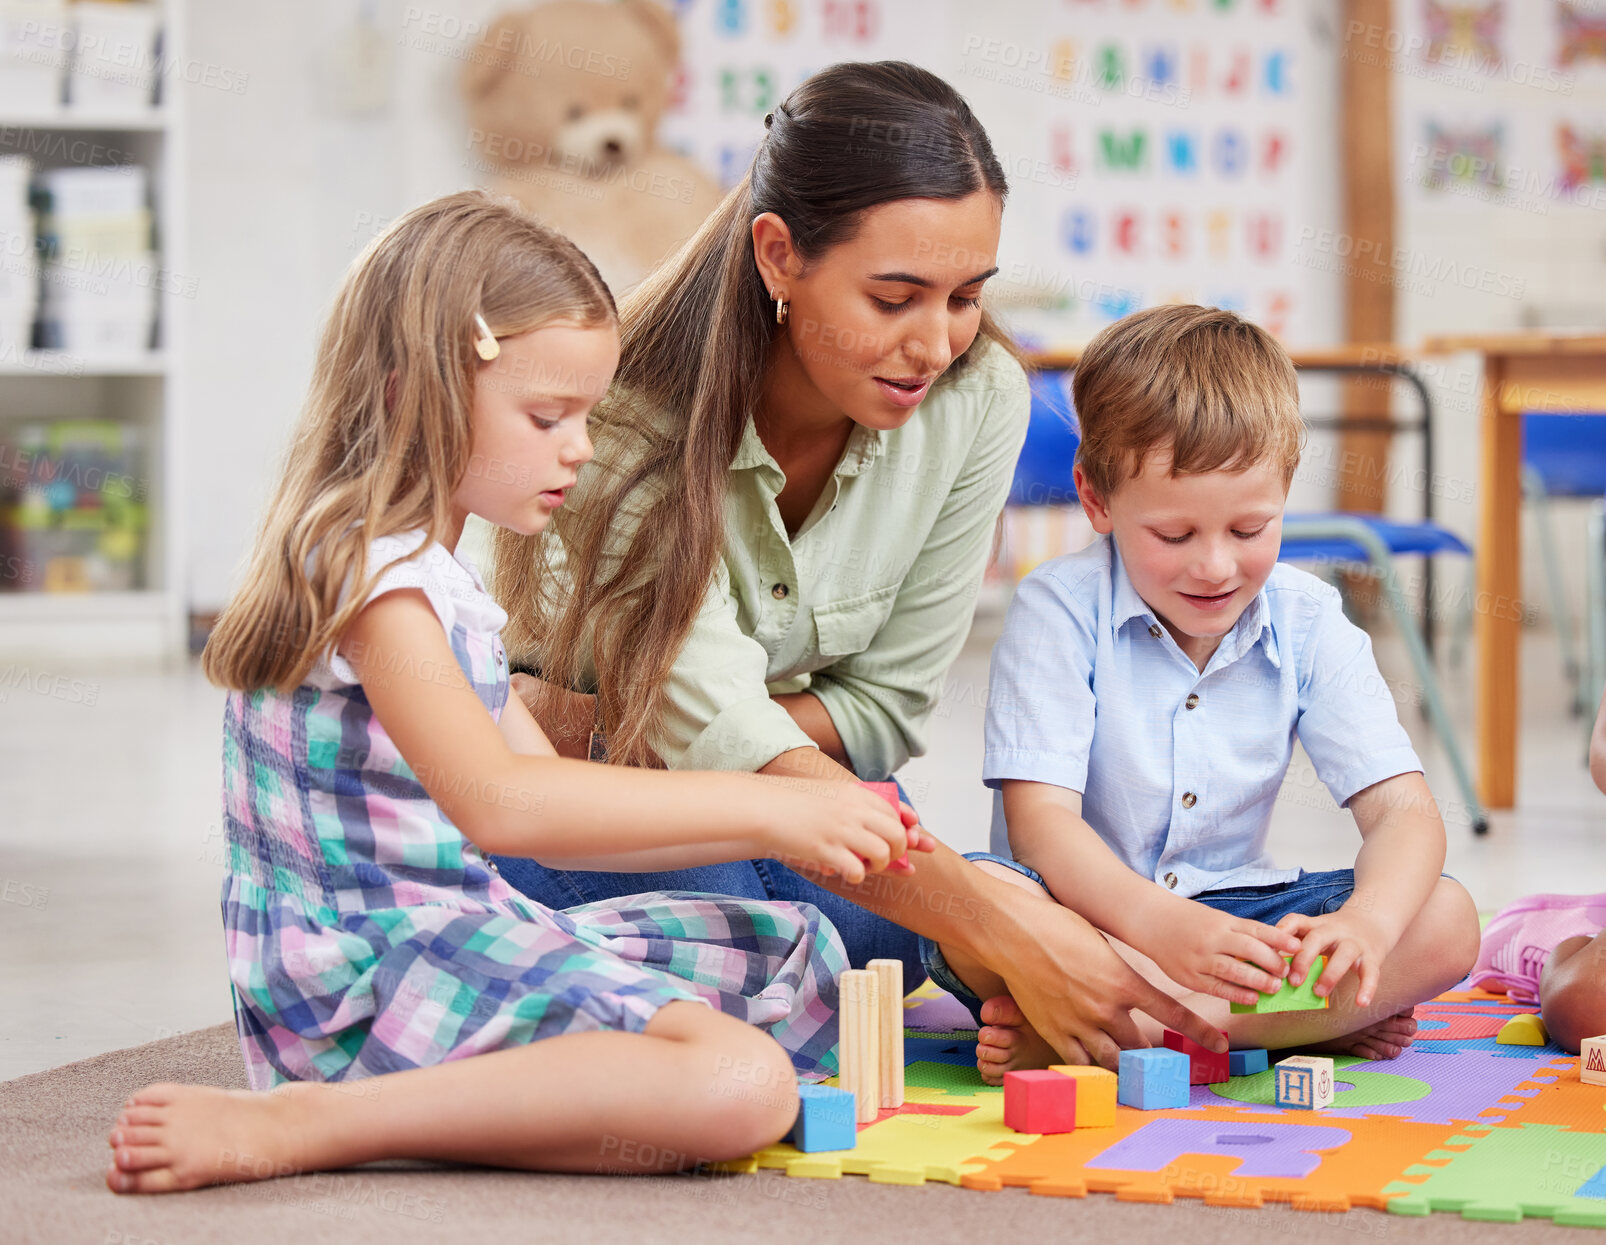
column 1145, row 698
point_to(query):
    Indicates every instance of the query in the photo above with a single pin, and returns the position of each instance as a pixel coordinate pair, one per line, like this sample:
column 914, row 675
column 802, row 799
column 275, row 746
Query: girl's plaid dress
column 367, row 935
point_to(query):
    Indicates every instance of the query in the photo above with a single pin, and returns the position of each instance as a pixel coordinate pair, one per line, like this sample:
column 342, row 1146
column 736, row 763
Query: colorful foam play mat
column 1458, row 1123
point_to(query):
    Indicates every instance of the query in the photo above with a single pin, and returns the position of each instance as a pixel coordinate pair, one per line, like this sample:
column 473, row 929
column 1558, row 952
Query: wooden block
column 1095, row 1094
column 1247, row 1062
column 1524, row 1030
column 824, row 1119
column 889, row 987
column 1300, row 998
column 1040, row 1102
column 1154, row 1079
column 859, row 1043
column 1305, row 1082
column 1592, row 1061
column 1205, row 1067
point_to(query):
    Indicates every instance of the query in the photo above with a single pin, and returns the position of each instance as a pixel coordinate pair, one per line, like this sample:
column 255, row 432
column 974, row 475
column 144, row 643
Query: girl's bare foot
column 172, row 1137
column 1007, row 1043
column 1387, row 1039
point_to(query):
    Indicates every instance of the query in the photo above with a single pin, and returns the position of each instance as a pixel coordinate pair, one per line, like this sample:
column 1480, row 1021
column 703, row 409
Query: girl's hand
column 1348, row 940
column 1225, row 956
column 834, row 829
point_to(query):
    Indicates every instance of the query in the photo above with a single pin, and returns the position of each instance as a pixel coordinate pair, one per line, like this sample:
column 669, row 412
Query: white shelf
column 89, row 628
column 66, row 363
column 86, row 119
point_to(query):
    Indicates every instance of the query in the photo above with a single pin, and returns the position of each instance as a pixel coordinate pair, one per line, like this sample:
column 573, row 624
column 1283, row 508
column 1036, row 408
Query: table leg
column 1498, row 610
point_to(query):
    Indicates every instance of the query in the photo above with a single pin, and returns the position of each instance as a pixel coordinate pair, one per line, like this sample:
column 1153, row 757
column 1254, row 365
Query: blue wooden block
column 824, row 1119
column 1153, row 1079
column 1247, row 1062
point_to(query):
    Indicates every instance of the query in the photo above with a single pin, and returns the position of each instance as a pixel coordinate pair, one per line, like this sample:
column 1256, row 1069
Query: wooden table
column 1559, row 373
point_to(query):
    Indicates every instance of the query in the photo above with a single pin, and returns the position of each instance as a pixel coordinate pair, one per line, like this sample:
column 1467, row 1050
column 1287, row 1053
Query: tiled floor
column 110, row 853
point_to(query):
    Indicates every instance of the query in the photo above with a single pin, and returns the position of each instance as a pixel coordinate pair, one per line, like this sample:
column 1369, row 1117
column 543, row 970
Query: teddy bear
column 563, row 101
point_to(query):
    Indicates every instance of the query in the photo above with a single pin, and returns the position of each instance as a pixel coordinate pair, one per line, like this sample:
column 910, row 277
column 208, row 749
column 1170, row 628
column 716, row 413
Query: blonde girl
column 372, row 756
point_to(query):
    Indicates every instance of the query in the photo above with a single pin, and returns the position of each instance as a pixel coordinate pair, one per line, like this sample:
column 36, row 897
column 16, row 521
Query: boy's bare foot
column 173, row 1137
column 1007, row 1043
column 1387, row 1039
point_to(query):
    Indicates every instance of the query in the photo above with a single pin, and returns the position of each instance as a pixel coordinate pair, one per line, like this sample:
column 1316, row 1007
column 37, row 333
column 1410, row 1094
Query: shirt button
column 779, row 592
column 1192, row 702
column 494, row 869
column 1189, row 799
column 1154, row 630
column 1171, row 881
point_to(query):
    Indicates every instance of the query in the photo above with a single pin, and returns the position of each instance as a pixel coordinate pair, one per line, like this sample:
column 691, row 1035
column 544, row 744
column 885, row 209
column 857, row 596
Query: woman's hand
column 834, row 829
column 1217, row 954
column 565, row 717
column 1079, row 994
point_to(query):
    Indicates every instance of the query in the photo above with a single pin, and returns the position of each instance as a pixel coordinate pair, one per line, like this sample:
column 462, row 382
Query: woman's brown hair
column 641, row 548
column 383, row 440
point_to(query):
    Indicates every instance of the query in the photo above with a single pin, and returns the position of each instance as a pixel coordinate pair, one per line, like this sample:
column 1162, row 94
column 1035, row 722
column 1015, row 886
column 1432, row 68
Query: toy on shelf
column 1247, row 1062
column 1205, row 1067
column 1524, row 1030
column 859, row 1041
column 1305, row 1082
column 1592, row 1061
column 1300, row 998
column 1154, row 1079
column 1095, row 1093
column 889, row 988
column 824, row 1119
column 1040, row 1101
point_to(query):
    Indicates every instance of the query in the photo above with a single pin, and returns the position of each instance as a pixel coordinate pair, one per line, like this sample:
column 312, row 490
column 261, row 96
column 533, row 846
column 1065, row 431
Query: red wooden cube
column 1039, row 1102
column 1205, row 1067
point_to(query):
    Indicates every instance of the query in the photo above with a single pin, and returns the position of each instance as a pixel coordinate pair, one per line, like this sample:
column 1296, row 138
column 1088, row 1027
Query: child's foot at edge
column 174, row 1137
column 1387, row 1039
column 1006, row 1043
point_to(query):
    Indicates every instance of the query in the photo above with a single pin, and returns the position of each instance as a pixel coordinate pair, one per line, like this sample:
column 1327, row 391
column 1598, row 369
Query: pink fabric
column 1517, row 943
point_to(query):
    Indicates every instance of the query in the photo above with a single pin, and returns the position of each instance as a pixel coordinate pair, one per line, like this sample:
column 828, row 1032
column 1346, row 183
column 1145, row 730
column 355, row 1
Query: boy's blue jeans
column 1311, row 894
column 866, row 935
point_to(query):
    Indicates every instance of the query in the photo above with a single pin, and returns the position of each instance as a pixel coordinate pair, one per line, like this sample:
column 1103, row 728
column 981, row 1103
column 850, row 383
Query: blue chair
column 1043, row 472
column 1372, row 542
column 1565, row 456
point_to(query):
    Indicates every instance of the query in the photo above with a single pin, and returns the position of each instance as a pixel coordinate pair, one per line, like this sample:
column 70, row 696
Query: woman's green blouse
column 869, row 603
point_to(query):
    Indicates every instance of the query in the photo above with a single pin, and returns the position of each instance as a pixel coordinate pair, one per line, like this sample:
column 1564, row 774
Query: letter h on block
column 1305, row 1082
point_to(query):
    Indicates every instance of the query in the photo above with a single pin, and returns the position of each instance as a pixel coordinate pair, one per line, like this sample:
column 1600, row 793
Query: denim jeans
column 866, row 936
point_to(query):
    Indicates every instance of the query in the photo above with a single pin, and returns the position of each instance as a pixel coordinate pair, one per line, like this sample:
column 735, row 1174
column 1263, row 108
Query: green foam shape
column 1409, row 1205
column 1301, row 998
column 960, row 1078
column 1485, row 1212
column 1370, row 1089
column 1579, row 1218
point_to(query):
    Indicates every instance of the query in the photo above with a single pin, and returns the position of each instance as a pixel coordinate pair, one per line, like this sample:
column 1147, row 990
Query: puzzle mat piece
column 922, row 1048
column 1564, row 1101
column 928, row 1008
column 1428, row 1088
column 1444, row 1027
column 930, row 1137
column 1538, row 1171
column 1226, row 1157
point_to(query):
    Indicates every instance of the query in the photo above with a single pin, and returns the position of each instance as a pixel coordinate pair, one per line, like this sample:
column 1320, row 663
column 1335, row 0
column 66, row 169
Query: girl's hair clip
column 485, row 343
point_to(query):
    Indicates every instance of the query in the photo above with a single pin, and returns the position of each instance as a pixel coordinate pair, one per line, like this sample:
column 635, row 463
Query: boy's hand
column 1349, row 940
column 1221, row 955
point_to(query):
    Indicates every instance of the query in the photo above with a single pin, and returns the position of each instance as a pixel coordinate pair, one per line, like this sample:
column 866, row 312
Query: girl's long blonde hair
column 383, row 440
column 695, row 335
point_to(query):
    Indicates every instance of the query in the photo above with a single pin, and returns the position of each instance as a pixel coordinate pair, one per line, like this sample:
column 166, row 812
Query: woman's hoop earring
column 781, row 310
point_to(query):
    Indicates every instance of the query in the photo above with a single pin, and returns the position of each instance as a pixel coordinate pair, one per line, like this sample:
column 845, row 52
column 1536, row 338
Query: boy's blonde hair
column 383, row 440
column 1206, row 386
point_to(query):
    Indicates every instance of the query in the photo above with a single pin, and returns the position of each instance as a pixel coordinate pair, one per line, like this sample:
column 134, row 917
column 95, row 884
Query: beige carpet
column 53, row 1155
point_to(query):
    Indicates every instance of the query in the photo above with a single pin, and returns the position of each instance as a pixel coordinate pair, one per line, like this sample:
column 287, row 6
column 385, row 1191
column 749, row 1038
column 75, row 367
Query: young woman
column 774, row 557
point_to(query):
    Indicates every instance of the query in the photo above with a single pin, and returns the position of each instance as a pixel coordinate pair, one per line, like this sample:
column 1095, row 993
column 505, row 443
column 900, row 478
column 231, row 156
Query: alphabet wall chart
column 1157, row 150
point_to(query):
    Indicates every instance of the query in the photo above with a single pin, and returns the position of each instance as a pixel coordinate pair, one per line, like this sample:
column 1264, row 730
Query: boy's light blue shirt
column 1090, row 692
